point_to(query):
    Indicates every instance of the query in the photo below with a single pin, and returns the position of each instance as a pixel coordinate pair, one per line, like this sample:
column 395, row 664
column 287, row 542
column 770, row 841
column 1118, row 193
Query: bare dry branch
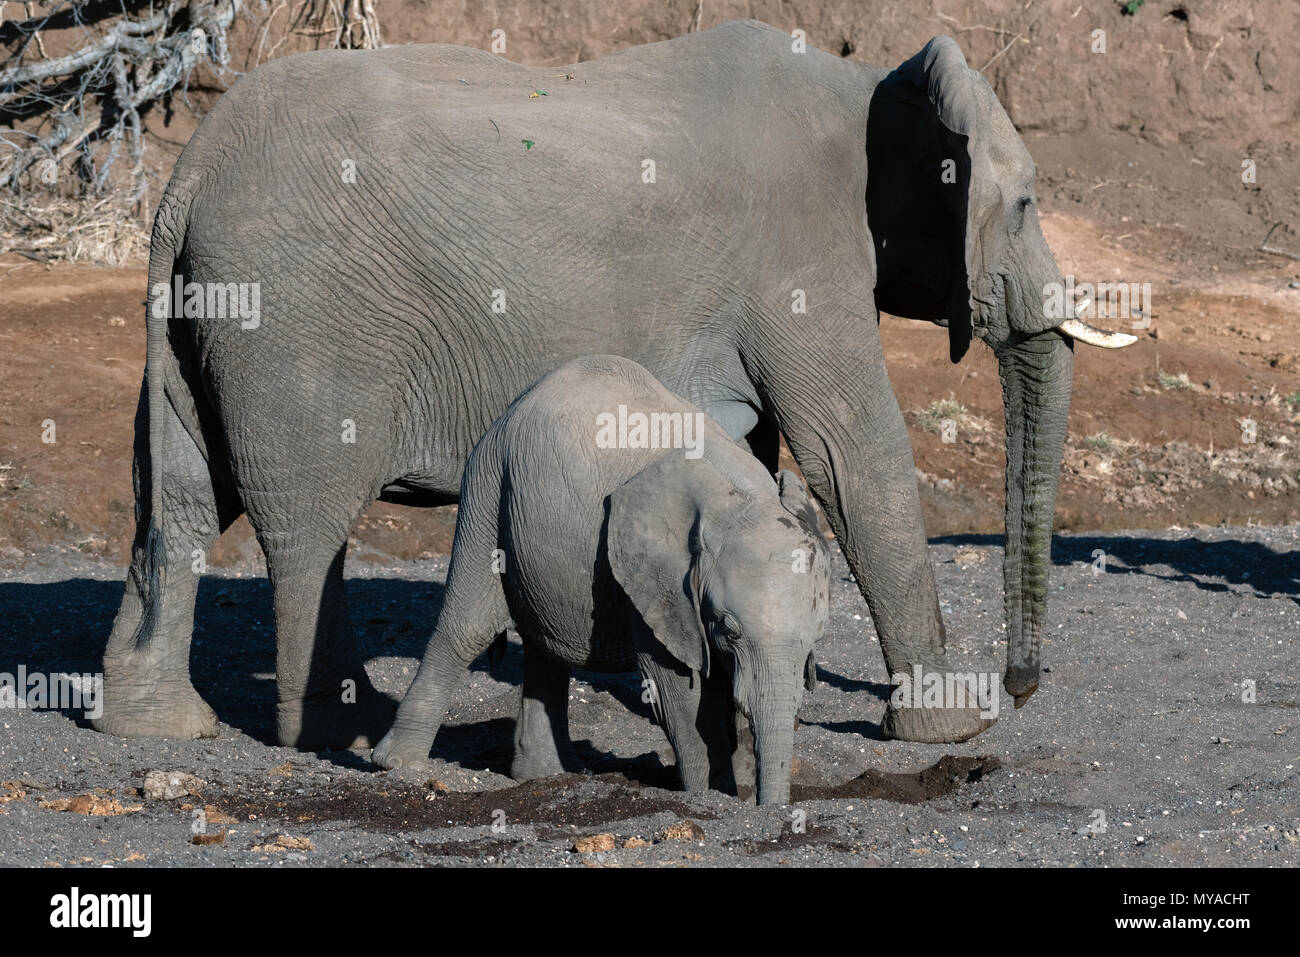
column 73, row 120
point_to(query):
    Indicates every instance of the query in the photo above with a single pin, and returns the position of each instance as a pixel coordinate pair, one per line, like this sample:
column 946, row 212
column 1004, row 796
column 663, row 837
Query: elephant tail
column 166, row 242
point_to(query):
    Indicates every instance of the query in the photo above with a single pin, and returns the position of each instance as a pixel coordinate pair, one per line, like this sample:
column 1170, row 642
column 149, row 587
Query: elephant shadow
column 56, row 627
column 61, row 626
column 486, row 745
column 1214, row 566
column 858, row 726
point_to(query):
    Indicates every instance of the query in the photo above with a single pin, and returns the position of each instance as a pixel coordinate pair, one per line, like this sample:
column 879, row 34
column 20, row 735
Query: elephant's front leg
column 695, row 714
column 830, row 394
column 675, row 694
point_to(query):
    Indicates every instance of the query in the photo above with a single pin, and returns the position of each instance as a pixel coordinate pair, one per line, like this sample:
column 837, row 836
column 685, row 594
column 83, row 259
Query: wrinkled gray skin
column 775, row 171
column 702, row 572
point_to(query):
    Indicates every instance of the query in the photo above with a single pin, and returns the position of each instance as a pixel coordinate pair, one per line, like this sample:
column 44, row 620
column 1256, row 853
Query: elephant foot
column 153, row 707
column 530, row 766
column 933, row 725
column 347, row 716
column 401, row 749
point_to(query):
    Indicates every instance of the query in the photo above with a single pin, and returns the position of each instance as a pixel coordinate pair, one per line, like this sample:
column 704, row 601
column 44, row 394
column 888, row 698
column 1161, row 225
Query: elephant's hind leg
column 473, row 614
column 147, row 689
column 325, row 698
column 542, row 745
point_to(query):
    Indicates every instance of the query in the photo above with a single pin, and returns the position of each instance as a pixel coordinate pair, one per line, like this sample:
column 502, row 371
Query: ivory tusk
column 1078, row 329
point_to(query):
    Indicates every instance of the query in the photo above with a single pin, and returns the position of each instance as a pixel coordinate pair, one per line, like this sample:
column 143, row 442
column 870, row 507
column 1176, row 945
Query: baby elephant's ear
column 796, row 501
column 651, row 533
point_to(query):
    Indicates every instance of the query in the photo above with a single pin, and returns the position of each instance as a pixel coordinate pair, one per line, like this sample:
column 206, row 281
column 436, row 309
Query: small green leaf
column 528, row 144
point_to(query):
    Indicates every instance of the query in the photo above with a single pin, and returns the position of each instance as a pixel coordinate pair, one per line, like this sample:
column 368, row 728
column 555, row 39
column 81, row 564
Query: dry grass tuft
column 49, row 229
column 931, row 418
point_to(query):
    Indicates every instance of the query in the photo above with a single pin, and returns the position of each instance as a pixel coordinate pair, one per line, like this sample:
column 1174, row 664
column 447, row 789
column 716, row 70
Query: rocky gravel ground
column 1165, row 733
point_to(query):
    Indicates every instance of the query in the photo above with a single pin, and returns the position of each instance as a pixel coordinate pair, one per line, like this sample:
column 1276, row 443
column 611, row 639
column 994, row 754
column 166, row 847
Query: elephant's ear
column 655, row 538
column 796, row 501
column 940, row 72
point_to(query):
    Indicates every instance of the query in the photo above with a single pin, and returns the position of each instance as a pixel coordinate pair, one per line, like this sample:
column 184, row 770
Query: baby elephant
column 617, row 528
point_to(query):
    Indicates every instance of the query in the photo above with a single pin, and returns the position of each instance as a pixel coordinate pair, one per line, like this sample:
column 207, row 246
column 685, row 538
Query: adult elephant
column 432, row 228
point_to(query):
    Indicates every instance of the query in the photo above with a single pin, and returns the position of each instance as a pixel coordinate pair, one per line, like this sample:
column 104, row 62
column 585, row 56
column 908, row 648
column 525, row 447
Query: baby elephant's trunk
column 772, row 712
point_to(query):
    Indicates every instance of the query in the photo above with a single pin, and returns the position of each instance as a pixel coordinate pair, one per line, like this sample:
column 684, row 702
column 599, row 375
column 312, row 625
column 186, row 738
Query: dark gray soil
column 1138, row 748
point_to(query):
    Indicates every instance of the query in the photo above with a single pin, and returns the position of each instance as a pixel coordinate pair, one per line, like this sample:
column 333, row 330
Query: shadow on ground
column 61, row 627
column 1192, row 560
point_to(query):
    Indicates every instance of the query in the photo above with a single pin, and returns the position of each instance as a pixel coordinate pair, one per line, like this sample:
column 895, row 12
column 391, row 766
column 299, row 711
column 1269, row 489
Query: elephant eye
column 1022, row 210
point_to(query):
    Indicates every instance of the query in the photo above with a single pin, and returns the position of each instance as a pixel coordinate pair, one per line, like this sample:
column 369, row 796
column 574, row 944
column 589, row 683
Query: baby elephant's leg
column 474, row 613
column 420, row 715
column 729, row 737
column 718, row 726
column 675, row 694
column 542, row 745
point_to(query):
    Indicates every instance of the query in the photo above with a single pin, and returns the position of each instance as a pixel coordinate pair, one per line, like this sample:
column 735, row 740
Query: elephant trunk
column 1036, row 376
column 772, row 710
